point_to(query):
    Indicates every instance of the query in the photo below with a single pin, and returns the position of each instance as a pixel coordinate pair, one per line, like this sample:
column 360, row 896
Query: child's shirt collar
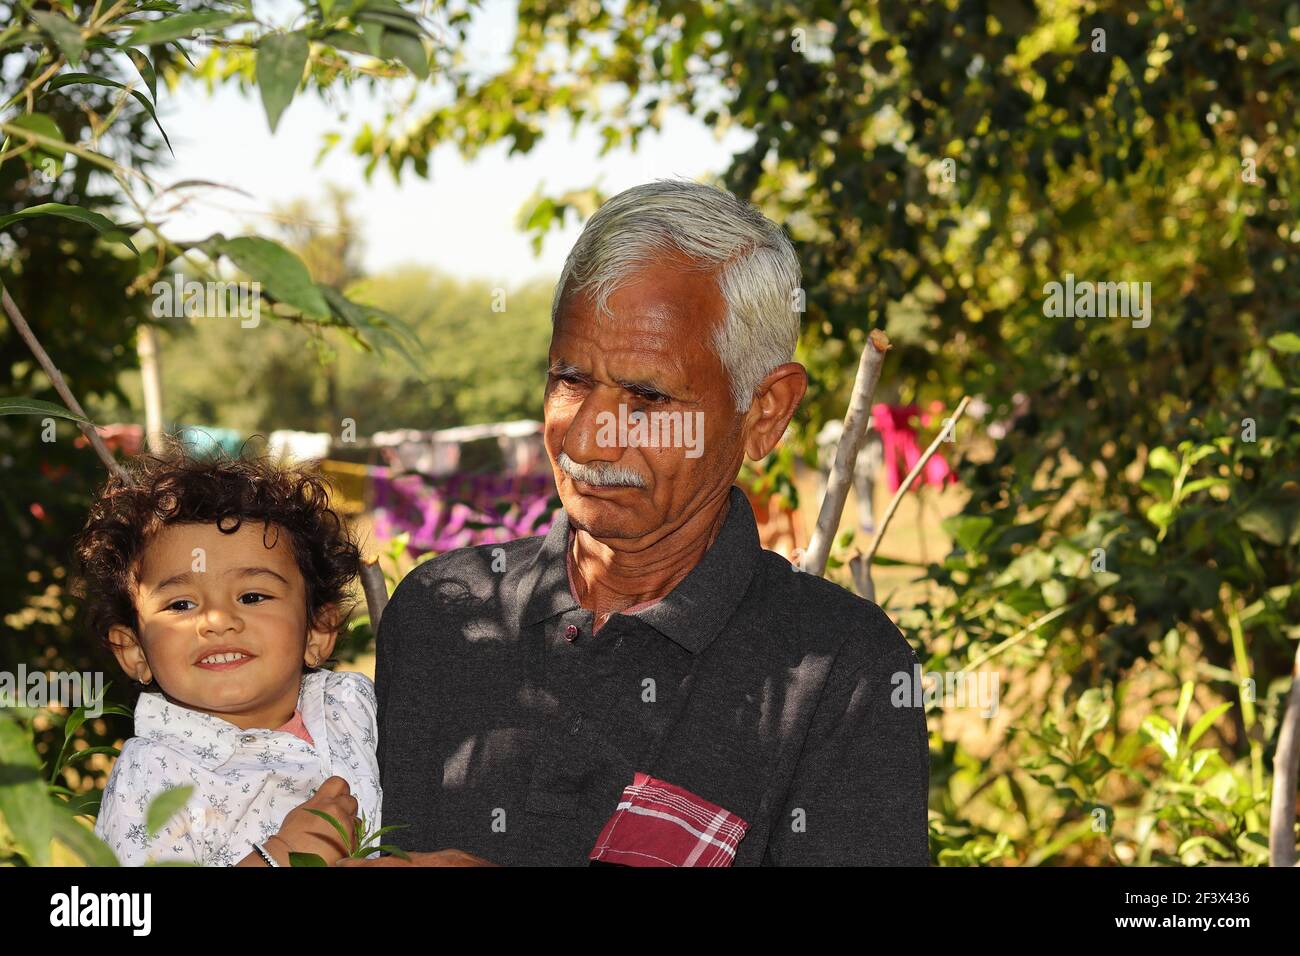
column 212, row 741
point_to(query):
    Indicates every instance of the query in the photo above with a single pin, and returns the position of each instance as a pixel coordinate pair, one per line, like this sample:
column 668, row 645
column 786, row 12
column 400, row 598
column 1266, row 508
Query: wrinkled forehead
column 660, row 316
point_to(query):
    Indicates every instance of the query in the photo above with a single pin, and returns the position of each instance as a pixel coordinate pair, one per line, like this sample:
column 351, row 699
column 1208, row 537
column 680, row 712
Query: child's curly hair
column 172, row 488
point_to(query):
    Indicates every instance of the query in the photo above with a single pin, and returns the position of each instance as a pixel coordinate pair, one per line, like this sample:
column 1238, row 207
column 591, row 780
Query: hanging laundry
column 407, row 449
column 126, row 438
column 460, row 510
column 901, row 448
column 297, row 446
column 204, row 441
column 349, row 484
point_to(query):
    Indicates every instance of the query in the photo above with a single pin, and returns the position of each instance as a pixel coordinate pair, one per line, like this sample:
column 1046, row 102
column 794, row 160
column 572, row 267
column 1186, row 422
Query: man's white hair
column 755, row 264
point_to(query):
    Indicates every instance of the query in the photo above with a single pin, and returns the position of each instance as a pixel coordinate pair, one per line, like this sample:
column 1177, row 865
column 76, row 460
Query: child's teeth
column 223, row 658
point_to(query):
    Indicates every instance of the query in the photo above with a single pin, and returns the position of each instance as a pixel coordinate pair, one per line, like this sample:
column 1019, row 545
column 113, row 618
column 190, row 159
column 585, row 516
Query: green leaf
column 65, row 33
column 281, row 273
column 81, row 840
column 90, row 751
column 1274, row 523
column 372, row 31
column 1055, row 593
column 408, row 50
column 42, row 125
column 1163, row 459
column 1203, row 841
column 349, row 839
column 181, row 26
column 85, row 804
column 346, row 41
column 1200, row 484
column 1162, row 733
column 32, row 406
column 1094, row 710
column 305, row 859
column 103, row 225
column 24, row 804
column 1287, row 342
column 967, row 530
column 1184, row 703
column 166, row 805
column 377, row 328
column 68, row 79
column 146, row 71
column 1161, row 514
column 281, row 59
column 70, row 728
column 1206, row 721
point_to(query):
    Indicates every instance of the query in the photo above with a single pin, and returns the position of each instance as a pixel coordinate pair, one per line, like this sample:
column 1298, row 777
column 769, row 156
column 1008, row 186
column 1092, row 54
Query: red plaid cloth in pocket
column 660, row 824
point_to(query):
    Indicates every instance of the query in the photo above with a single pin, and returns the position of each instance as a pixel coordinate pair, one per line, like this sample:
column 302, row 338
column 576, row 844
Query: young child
column 221, row 584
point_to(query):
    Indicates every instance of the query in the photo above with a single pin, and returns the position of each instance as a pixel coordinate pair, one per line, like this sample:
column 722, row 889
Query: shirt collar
column 212, row 740
column 693, row 613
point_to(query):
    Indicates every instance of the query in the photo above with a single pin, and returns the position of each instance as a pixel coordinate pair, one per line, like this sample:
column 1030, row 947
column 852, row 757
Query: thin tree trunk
column 151, row 381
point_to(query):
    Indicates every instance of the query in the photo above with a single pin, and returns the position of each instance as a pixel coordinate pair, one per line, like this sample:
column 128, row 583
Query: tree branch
column 860, row 564
column 1281, row 823
column 846, row 455
column 56, row 378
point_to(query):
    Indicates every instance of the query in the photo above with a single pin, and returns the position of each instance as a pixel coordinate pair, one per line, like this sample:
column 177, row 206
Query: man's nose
column 593, row 433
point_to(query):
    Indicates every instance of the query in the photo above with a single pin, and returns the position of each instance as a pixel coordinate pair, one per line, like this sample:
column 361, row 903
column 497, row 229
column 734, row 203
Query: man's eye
column 175, row 605
column 252, row 594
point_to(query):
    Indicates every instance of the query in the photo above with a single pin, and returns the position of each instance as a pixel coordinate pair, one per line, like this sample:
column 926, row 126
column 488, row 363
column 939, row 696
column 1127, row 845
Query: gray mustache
column 604, row 476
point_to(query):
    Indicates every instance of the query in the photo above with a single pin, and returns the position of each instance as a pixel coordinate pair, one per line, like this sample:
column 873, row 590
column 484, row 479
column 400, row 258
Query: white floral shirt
column 245, row 781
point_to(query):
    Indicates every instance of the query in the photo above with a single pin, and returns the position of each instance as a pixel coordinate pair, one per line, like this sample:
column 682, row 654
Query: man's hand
column 440, row 858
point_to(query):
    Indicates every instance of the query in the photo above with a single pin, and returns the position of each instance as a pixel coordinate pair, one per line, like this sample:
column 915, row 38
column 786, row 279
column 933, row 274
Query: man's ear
column 774, row 404
column 322, row 635
column 129, row 653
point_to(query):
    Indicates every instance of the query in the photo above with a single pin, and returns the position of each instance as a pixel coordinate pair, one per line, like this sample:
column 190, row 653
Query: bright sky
column 461, row 220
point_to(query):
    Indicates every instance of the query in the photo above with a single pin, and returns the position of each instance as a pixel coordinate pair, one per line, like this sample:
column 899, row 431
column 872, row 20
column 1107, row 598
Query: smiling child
column 222, row 584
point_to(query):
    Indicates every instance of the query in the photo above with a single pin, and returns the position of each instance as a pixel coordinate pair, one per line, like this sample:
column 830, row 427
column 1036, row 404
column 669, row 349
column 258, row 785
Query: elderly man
column 645, row 685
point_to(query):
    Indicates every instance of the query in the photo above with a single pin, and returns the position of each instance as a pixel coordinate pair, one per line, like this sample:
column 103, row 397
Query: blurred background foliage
column 1126, row 558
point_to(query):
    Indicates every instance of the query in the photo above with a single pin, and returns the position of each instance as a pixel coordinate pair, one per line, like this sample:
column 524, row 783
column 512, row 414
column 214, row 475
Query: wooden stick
column 846, row 455
column 55, row 377
column 1281, row 823
column 376, row 589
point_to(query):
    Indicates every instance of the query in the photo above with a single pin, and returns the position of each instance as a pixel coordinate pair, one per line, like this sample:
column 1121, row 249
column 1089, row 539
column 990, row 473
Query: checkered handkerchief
column 660, row 824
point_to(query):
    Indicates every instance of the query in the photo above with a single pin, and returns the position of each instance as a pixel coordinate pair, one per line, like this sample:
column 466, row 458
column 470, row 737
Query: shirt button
column 247, row 739
column 571, row 633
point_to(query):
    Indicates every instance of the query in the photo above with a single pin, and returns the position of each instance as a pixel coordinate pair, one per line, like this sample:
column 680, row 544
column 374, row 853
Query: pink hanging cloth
column 902, row 451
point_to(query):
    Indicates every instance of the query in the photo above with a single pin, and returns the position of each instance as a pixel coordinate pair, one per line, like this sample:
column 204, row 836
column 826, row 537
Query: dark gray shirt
column 508, row 730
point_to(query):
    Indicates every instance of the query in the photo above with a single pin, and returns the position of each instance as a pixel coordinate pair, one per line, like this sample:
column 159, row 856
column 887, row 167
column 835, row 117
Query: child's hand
column 305, row 832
